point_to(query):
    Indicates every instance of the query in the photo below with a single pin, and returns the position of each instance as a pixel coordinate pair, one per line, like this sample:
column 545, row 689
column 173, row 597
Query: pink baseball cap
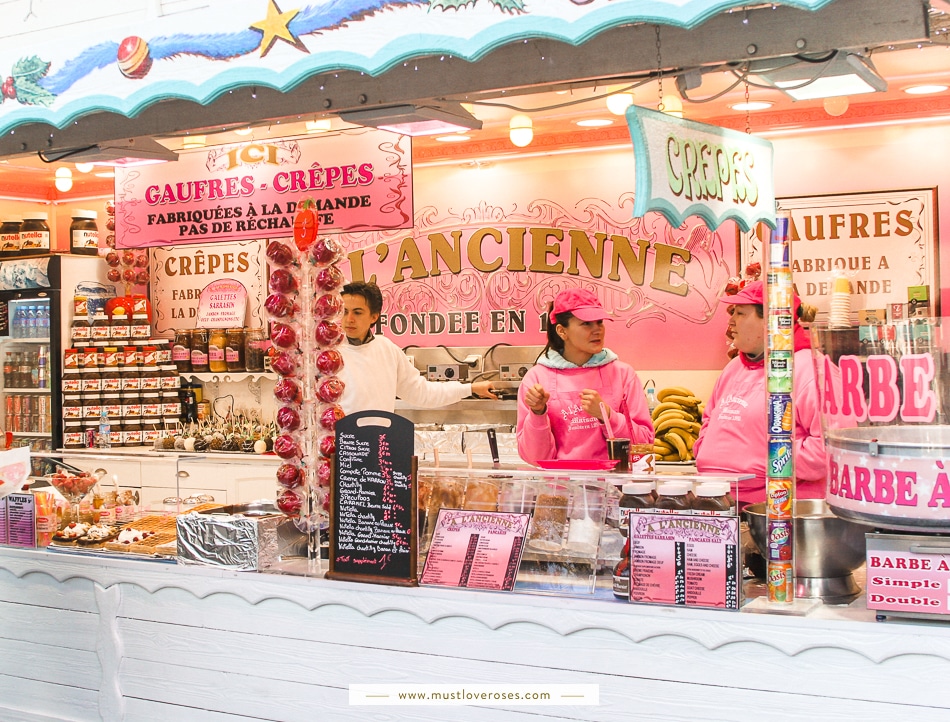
column 753, row 293
column 581, row 303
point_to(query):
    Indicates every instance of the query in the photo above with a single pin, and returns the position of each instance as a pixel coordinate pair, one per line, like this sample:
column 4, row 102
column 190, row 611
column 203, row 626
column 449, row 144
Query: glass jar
column 199, row 351
column 139, row 327
column 234, row 350
column 84, row 233
column 10, row 237
column 80, row 328
column 255, row 346
column 674, row 497
column 181, row 350
column 636, row 495
column 34, row 233
column 713, row 499
column 217, row 343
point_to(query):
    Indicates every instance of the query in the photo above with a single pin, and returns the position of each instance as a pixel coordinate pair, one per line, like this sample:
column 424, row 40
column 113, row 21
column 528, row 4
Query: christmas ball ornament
column 133, row 58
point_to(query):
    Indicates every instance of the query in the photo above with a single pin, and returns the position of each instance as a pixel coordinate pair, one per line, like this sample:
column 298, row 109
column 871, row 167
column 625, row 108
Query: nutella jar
column 72, row 407
column 132, row 433
column 163, row 352
column 34, row 233
column 139, row 327
column 131, row 374
column 151, row 378
column 111, row 376
column 181, row 350
column 80, row 329
column 199, row 351
column 101, row 331
column 112, row 405
column 234, row 350
column 10, row 237
column 674, row 497
column 131, row 405
column 84, row 233
column 713, row 499
column 72, row 381
column 151, row 405
column 171, row 405
column 169, row 378
column 119, row 329
column 151, row 431
column 90, row 379
column 73, row 436
column 91, row 407
column 70, row 359
column 636, row 495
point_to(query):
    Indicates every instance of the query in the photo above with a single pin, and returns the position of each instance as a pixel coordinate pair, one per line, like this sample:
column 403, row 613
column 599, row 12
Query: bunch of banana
column 676, row 422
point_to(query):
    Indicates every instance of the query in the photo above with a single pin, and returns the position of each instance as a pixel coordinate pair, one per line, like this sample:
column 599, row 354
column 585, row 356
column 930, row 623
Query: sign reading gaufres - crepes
column 686, row 169
column 360, row 180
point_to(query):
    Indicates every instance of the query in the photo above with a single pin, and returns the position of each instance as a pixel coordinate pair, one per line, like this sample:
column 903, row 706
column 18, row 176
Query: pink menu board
column 476, row 549
column 685, row 560
column 21, row 523
column 908, row 581
column 4, row 535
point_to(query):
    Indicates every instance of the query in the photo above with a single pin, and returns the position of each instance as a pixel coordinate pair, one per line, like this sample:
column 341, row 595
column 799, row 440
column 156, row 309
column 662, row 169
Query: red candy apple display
column 303, row 276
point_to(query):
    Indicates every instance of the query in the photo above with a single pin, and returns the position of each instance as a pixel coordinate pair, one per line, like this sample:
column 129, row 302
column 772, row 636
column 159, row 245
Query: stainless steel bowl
column 827, row 549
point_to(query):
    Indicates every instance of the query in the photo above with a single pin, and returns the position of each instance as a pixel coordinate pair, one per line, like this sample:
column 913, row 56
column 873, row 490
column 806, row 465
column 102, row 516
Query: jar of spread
column 151, row 430
column 163, row 351
column 72, row 381
column 151, row 405
column 170, row 380
column 84, row 233
column 132, row 433
column 151, row 378
column 171, row 405
column 131, row 405
column 674, row 497
column 80, row 328
column 111, row 377
column 139, row 327
column 72, row 407
column 636, row 495
column 10, row 237
column 73, row 436
column 70, row 359
column 199, row 351
column 119, row 329
column 713, row 499
column 255, row 346
column 234, row 350
column 181, row 350
column 34, row 233
column 130, row 378
column 92, row 407
column 217, row 342
column 101, row 330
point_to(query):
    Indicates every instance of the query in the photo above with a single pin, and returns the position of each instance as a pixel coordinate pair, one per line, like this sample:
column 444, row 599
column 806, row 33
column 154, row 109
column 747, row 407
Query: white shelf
column 19, row 390
column 11, row 339
column 224, row 377
column 37, row 434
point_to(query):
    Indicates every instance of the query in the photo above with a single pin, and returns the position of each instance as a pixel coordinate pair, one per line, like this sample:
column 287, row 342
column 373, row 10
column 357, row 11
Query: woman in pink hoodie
column 559, row 401
column 734, row 437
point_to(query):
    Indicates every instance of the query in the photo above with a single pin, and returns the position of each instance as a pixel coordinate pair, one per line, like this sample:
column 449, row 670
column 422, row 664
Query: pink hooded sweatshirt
column 566, row 431
column 734, row 437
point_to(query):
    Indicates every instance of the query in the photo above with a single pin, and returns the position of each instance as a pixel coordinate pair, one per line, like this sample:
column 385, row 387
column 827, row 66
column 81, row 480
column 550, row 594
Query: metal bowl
column 827, row 548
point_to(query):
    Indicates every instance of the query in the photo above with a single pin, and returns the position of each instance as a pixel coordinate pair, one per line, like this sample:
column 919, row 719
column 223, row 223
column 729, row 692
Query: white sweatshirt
column 377, row 372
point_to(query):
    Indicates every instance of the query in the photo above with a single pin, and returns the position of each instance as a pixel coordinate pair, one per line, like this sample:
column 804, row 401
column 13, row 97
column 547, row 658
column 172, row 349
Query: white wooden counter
column 87, row 638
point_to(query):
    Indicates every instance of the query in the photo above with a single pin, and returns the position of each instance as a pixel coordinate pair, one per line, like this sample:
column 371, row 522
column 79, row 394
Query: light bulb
column 836, row 106
column 63, row 179
column 85, row 167
column 619, row 102
column 193, row 141
column 521, row 130
column 672, row 105
column 319, row 126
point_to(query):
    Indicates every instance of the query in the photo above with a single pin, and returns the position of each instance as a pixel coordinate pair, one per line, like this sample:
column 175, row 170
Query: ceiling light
column 520, row 130
column 838, row 105
column 672, row 105
column 752, row 105
column 594, row 122
column 925, row 89
column 318, row 126
column 85, row 167
column 64, row 179
column 619, row 102
column 459, row 138
column 191, row 142
column 244, row 131
column 416, row 120
column 124, row 152
column 844, row 73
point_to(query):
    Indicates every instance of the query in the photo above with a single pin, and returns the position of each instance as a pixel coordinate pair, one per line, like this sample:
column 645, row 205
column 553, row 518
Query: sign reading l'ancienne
column 684, row 168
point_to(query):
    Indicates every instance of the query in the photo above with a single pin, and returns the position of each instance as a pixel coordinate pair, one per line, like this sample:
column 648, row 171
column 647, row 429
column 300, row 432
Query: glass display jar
column 255, row 343
column 217, row 343
column 234, row 350
column 199, row 350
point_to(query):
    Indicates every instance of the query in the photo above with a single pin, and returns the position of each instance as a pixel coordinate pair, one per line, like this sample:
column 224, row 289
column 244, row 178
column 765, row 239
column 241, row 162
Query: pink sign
column 360, row 180
column 684, row 560
column 222, row 304
column 904, row 581
column 476, row 549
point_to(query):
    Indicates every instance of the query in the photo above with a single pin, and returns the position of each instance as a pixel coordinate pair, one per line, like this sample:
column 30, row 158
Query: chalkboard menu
column 373, row 535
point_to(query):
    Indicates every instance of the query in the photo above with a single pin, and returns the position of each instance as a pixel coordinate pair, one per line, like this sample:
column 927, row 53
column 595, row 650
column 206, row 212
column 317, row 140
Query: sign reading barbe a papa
column 684, row 168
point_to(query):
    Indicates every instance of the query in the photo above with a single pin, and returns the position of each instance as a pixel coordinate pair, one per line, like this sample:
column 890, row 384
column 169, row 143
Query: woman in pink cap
column 734, row 437
column 559, row 401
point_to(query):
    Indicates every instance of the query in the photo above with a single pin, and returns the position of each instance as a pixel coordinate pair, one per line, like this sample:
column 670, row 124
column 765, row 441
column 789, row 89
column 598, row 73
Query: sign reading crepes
column 360, row 180
column 686, row 169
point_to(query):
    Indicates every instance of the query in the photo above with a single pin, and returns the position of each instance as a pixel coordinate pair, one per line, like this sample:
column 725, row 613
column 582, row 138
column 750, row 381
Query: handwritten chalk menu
column 373, row 513
column 685, row 560
column 476, row 549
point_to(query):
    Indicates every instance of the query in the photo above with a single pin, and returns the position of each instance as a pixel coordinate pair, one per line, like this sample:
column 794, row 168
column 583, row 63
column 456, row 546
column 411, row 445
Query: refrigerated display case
column 36, row 310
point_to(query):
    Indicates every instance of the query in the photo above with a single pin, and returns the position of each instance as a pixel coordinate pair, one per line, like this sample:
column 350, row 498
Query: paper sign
column 905, row 581
column 222, row 304
column 14, row 469
column 21, row 521
column 684, row 560
column 476, row 549
column 686, row 168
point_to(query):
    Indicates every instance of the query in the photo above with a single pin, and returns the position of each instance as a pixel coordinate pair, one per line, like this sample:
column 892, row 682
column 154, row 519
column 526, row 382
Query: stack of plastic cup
column 840, row 316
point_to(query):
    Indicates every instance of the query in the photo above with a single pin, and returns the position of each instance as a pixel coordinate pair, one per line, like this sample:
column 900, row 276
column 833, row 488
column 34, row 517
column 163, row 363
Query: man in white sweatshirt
column 376, row 371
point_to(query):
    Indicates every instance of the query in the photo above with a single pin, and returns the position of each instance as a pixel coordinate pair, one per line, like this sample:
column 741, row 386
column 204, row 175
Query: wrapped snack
column 286, row 447
column 284, row 363
column 282, row 280
column 288, row 418
column 287, row 391
column 328, row 333
column 330, row 389
column 325, row 251
column 330, row 416
column 329, row 361
column 280, row 254
column 283, row 336
column 327, row 305
column 327, row 445
column 280, row 305
column 289, row 502
column 289, row 475
column 329, row 278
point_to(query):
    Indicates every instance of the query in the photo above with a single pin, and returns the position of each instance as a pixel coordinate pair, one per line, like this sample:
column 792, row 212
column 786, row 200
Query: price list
column 21, row 522
column 684, row 560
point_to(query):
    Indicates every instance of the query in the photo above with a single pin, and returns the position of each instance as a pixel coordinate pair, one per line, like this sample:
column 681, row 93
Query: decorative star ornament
column 274, row 27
